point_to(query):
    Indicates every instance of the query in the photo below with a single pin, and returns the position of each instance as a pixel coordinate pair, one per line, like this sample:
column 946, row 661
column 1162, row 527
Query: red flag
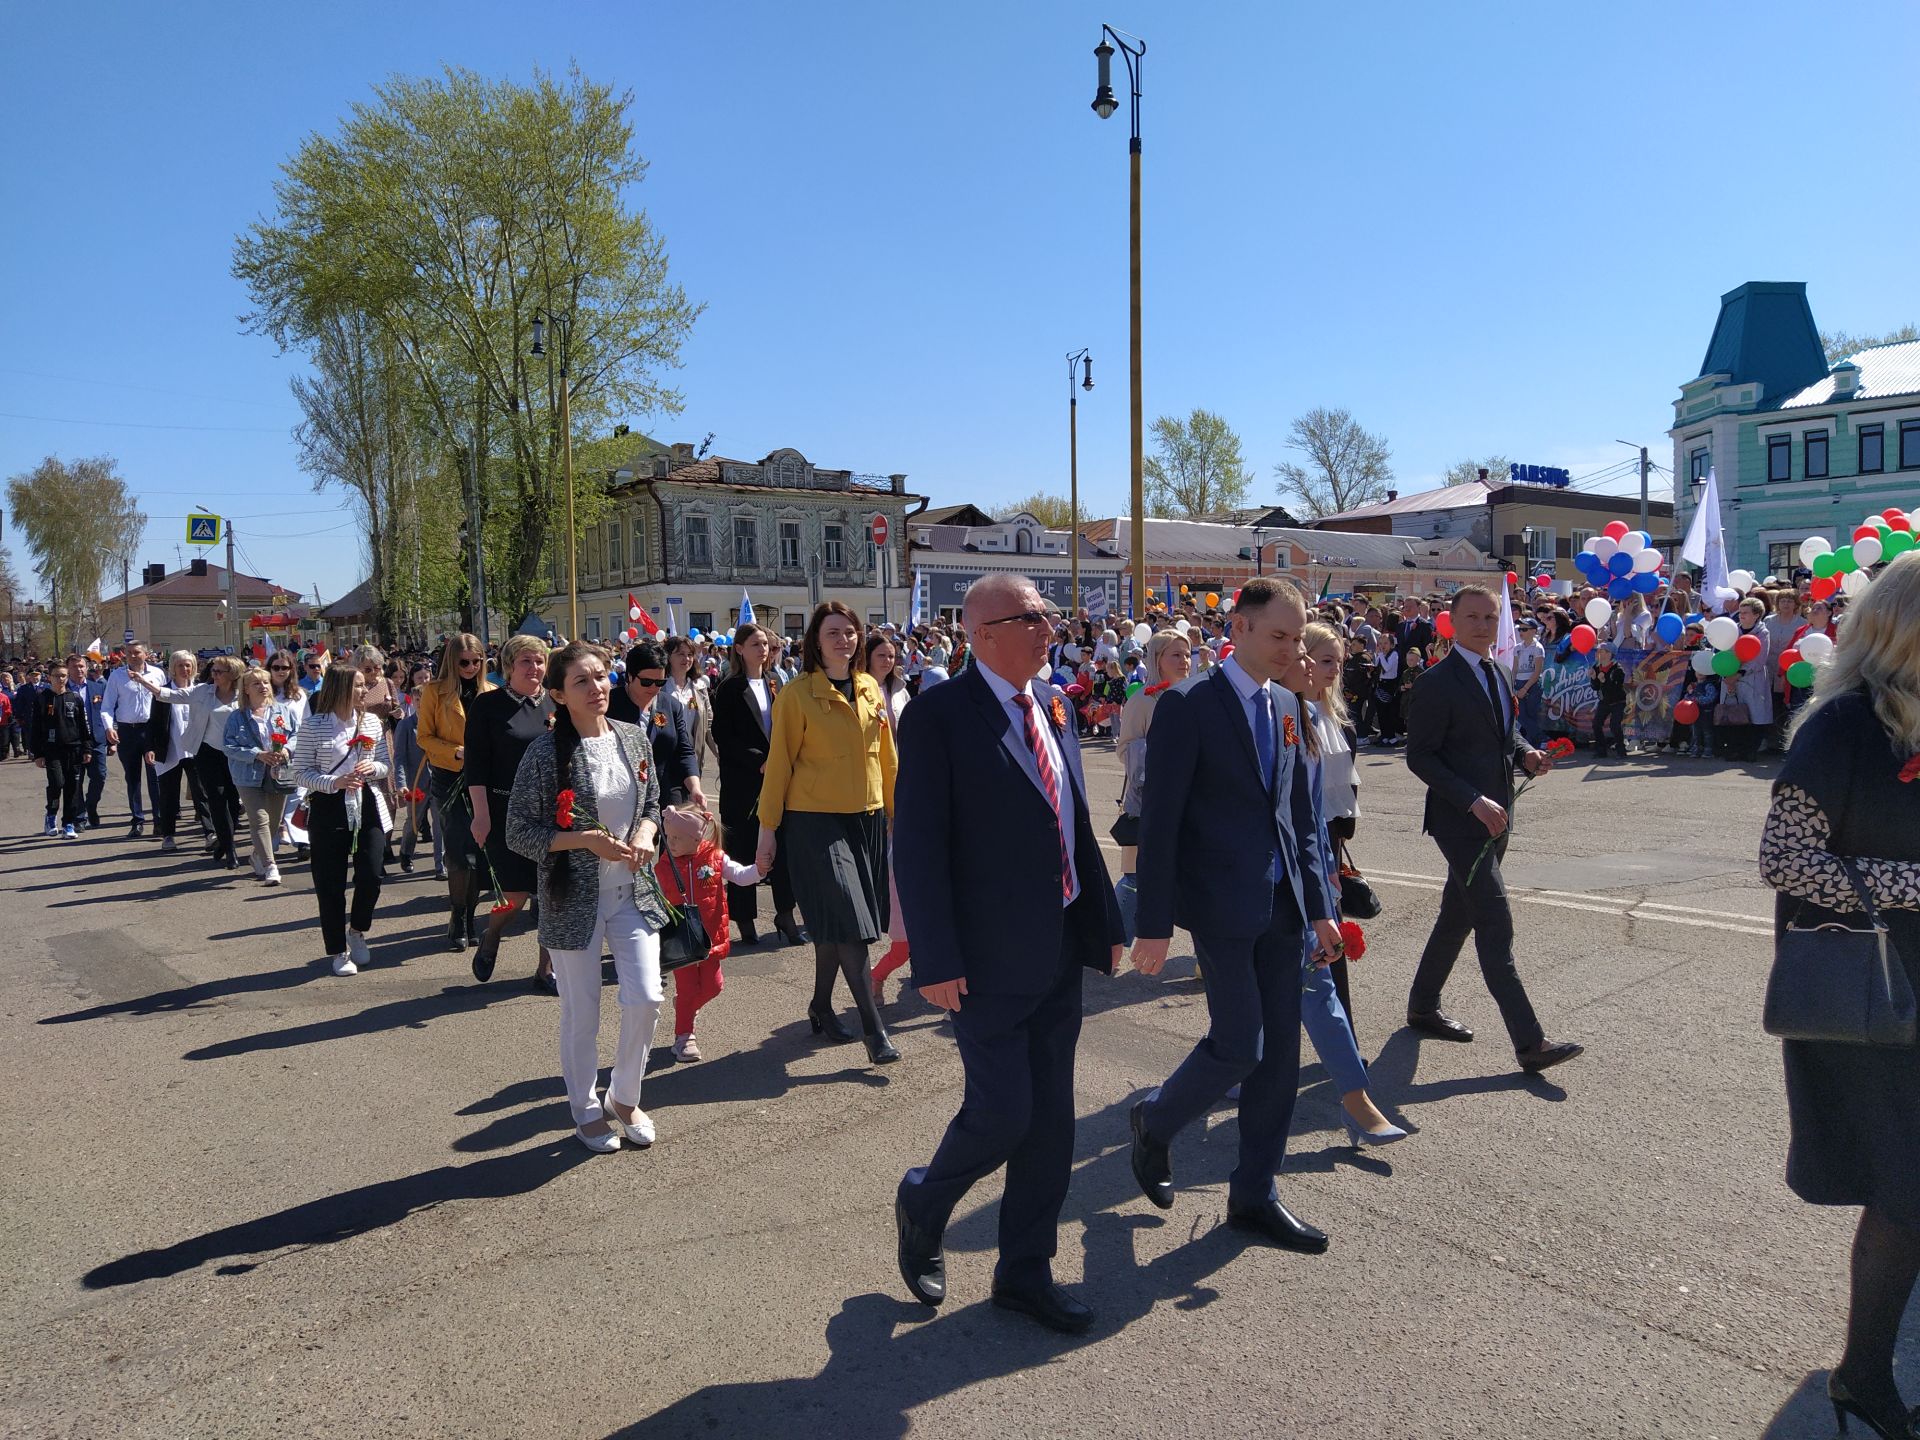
column 646, row 621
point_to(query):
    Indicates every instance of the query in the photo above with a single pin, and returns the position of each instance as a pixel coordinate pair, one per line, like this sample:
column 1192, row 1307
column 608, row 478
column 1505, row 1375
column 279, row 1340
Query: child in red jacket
column 693, row 869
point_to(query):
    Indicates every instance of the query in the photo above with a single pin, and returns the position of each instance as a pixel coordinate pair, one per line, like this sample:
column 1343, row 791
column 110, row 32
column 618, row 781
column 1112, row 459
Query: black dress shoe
column 880, row 1049
column 1274, row 1221
column 544, row 982
column 923, row 1265
column 137, row 829
column 485, row 955
column 1438, row 1025
column 1544, row 1056
column 1050, row 1305
column 1150, row 1164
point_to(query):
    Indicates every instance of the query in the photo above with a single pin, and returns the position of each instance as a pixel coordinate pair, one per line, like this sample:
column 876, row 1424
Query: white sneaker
column 357, row 949
column 686, row 1048
column 343, row 966
column 272, row 877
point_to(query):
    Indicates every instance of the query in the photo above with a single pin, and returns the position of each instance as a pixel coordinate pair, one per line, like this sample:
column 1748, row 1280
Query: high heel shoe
column 880, row 1049
column 828, row 1023
column 1358, row 1137
column 790, row 933
column 1844, row 1405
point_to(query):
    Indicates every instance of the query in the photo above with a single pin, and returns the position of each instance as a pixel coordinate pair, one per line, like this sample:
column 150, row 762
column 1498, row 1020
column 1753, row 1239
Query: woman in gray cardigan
column 586, row 808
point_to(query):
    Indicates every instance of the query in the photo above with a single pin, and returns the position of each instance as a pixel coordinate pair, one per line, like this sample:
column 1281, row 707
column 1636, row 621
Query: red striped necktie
column 1050, row 783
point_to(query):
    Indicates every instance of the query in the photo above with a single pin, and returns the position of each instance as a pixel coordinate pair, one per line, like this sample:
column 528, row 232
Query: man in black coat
column 60, row 736
column 1463, row 742
column 669, row 725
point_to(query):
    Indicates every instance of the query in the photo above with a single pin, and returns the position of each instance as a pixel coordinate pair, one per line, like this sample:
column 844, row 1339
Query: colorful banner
column 1654, row 681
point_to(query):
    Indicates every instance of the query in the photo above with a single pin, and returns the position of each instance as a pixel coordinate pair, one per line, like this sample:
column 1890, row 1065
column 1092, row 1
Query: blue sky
column 1479, row 227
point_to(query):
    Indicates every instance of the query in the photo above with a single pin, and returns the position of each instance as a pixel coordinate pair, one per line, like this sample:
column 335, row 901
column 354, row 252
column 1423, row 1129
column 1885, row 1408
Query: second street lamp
column 1105, row 103
column 565, row 322
column 1082, row 361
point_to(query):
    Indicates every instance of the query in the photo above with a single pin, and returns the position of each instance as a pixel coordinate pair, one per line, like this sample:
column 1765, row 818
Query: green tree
column 1463, row 471
column 1346, row 465
column 449, row 213
column 1053, row 511
column 1196, row 466
column 1838, row 344
column 78, row 522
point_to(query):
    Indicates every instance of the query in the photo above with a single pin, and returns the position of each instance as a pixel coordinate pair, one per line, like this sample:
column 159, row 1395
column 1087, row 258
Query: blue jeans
column 1327, row 1027
column 1533, row 714
column 1703, row 734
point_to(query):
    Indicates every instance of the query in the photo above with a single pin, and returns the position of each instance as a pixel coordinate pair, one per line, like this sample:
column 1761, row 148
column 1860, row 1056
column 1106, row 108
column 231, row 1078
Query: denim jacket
column 244, row 739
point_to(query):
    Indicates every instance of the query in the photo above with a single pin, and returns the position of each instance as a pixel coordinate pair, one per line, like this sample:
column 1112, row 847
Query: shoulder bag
column 683, row 941
column 1358, row 900
column 1840, row 985
column 1732, row 712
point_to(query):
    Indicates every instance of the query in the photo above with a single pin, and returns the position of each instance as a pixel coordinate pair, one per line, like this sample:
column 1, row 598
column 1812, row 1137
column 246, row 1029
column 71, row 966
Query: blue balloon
column 1645, row 583
column 1670, row 627
column 1620, row 563
column 1591, row 565
column 1619, row 588
column 693, row 634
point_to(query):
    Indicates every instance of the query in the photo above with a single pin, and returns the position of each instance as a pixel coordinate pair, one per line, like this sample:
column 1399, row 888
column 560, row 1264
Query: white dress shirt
column 127, row 703
column 1004, row 691
column 1473, row 658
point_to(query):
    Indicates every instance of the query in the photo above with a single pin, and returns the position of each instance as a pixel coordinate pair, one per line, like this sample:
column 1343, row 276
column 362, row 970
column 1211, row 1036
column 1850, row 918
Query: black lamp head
column 1104, row 102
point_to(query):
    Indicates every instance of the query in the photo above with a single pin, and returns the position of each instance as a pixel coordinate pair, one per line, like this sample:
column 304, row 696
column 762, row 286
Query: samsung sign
column 1539, row 475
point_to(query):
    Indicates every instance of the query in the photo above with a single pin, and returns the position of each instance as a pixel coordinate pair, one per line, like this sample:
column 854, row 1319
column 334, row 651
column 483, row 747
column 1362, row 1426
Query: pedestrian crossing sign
column 203, row 529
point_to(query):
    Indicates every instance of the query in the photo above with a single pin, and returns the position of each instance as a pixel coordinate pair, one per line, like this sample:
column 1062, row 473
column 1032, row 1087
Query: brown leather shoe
column 1544, row 1056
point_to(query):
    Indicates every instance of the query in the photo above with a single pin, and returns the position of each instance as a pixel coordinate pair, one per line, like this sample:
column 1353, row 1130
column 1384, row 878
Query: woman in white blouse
column 880, row 658
column 172, row 761
column 687, row 683
column 201, row 745
column 339, row 760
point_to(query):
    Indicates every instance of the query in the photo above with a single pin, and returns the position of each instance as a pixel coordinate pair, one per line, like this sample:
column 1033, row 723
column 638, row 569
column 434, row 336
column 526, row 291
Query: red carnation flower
column 365, row 742
column 417, row 795
column 563, row 809
column 504, row 907
column 1559, row 748
column 1910, row 771
column 1353, row 940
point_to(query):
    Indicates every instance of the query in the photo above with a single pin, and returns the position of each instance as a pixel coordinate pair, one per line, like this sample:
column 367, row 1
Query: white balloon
column 1722, row 631
column 1813, row 547
column 1867, row 551
column 1142, row 631
column 1598, row 613
column 1703, row 662
column 1633, row 542
column 633, row 612
column 1645, row 562
column 1815, row 647
column 1913, row 519
column 1854, row 583
column 1879, row 520
column 1182, row 626
column 1603, row 546
column 1741, row 580
column 1588, row 547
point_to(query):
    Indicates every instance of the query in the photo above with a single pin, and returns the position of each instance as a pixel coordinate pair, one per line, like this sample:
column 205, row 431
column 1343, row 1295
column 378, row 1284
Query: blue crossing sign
column 203, row 529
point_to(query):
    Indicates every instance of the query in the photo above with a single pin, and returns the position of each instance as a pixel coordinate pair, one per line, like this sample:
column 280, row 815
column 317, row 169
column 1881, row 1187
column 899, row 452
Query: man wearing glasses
column 669, row 725
column 313, row 671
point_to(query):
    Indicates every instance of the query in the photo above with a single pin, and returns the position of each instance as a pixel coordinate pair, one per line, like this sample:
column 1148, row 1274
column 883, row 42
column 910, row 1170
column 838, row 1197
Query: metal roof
column 1885, row 370
column 1173, row 544
column 1447, row 497
column 1765, row 332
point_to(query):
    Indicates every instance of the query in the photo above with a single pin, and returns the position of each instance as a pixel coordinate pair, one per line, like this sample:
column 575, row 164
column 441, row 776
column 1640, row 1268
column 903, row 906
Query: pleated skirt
column 838, row 864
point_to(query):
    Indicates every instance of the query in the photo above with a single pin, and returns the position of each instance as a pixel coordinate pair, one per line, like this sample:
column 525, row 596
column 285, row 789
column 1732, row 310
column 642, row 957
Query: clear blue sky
column 1479, row 227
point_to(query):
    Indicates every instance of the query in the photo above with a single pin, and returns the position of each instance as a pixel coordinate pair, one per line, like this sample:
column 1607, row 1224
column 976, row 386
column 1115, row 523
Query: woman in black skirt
column 500, row 725
column 1851, row 786
column 742, row 731
column 824, row 803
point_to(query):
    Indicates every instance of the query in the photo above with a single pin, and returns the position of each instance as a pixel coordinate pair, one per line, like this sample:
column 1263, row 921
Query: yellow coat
column 826, row 755
column 443, row 726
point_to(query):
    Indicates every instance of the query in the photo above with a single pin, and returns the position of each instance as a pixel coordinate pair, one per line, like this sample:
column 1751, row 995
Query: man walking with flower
column 1464, row 744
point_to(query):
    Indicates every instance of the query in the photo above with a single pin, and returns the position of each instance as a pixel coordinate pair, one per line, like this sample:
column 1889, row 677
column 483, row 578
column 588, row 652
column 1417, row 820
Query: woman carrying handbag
column 1844, row 829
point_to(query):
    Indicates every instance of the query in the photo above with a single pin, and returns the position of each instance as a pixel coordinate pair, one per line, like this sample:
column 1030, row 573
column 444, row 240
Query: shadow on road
column 163, row 1002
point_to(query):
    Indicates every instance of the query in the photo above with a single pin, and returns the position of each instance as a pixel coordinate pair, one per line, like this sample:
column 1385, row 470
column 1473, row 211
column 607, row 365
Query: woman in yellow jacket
column 443, row 737
column 825, row 798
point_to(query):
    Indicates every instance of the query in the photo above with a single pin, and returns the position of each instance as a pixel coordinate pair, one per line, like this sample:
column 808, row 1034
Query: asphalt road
column 247, row 1198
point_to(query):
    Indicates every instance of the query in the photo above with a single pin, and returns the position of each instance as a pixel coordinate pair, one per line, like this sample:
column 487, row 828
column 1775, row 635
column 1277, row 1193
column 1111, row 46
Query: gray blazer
column 566, row 922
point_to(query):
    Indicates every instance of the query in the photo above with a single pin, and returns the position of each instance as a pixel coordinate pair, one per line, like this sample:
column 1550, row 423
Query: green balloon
column 1843, row 558
column 1897, row 542
column 1134, row 689
column 1826, row 566
column 1800, row 674
column 1726, row 664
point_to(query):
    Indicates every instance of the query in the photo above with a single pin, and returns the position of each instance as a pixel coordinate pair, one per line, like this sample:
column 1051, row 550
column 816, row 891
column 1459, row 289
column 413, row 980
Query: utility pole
column 233, row 616
column 1643, row 489
column 126, row 599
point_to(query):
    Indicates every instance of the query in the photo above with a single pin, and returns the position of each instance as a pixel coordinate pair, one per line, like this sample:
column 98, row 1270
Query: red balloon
column 1792, row 657
column 1747, row 648
column 1892, row 514
column 1616, row 530
column 1823, row 587
column 1900, row 522
column 1865, row 530
column 1512, row 579
column 1443, row 624
column 1543, row 580
column 1686, row 712
column 1584, row 639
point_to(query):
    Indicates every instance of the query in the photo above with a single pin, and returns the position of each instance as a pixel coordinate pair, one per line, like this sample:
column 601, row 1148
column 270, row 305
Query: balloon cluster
column 1728, row 648
column 1622, row 561
column 1803, row 659
column 1886, row 536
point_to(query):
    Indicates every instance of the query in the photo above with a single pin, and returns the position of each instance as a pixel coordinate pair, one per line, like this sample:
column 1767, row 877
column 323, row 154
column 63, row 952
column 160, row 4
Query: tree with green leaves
column 448, row 213
column 79, row 523
column 1838, row 344
column 1053, row 511
column 1196, row 466
column 1346, row 465
column 1462, row 472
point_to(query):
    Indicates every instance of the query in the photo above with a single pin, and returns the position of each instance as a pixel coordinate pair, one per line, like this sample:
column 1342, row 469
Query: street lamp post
column 1083, row 360
column 1104, row 104
column 565, row 322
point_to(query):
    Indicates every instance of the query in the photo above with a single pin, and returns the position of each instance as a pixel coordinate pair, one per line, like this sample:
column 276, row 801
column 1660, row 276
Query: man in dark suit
column 1230, row 850
column 1463, row 741
column 1007, row 899
column 641, row 701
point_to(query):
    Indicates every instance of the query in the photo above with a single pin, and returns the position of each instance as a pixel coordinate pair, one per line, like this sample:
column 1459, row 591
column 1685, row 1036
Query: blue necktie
column 1263, row 734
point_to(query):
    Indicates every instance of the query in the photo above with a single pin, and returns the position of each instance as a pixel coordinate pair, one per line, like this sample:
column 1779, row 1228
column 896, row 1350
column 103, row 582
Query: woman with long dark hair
column 825, row 801
column 880, row 658
column 442, row 735
column 337, row 760
column 501, row 724
column 742, row 733
column 585, row 809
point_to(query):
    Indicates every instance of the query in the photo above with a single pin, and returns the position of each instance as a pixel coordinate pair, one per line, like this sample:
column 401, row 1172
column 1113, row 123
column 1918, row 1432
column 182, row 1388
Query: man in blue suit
column 1229, row 849
column 1007, row 899
column 93, row 692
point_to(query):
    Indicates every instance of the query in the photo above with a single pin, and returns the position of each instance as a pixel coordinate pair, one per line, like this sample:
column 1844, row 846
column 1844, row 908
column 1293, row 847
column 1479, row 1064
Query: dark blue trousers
column 1253, row 1041
column 1017, row 1111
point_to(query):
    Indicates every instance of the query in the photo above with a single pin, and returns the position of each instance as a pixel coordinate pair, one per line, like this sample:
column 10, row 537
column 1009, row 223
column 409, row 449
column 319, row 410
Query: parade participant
column 500, row 725
column 92, row 691
column 60, row 737
column 993, row 803
column 1610, row 704
column 1463, row 747
column 880, row 658
column 1529, row 674
column 1229, row 849
column 410, row 771
column 1751, row 690
column 585, row 808
column 168, row 755
column 208, row 705
column 336, row 761
column 693, row 870
column 825, row 800
column 742, row 731
column 442, row 734
column 641, row 700
column 1846, row 790
column 285, row 680
column 1169, row 661
column 1331, row 759
column 687, row 684
column 1386, row 691
column 255, row 740
column 128, row 707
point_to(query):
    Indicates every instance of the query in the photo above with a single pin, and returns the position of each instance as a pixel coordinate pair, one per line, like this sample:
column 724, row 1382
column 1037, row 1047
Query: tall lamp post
column 1081, row 361
column 1104, row 104
column 565, row 322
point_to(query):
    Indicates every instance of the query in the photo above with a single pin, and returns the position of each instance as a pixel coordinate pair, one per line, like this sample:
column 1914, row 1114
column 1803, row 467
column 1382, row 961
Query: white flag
column 1505, row 641
column 270, row 647
column 1706, row 545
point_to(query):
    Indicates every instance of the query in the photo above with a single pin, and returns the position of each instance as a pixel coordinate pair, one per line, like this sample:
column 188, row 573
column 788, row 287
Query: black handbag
column 683, row 941
column 1358, row 901
column 1844, row 986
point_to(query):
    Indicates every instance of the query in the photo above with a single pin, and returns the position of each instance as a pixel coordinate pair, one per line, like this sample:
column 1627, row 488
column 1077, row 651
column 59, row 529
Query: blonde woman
column 256, row 740
column 172, row 762
column 442, row 736
column 208, row 705
column 337, row 761
column 1849, row 789
column 1169, row 661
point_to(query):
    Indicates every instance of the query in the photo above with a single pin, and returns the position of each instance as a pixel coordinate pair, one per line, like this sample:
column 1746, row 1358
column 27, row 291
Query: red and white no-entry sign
column 879, row 524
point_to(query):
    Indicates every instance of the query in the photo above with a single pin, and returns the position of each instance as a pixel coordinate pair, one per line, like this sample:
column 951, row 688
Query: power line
column 142, row 425
column 124, row 385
